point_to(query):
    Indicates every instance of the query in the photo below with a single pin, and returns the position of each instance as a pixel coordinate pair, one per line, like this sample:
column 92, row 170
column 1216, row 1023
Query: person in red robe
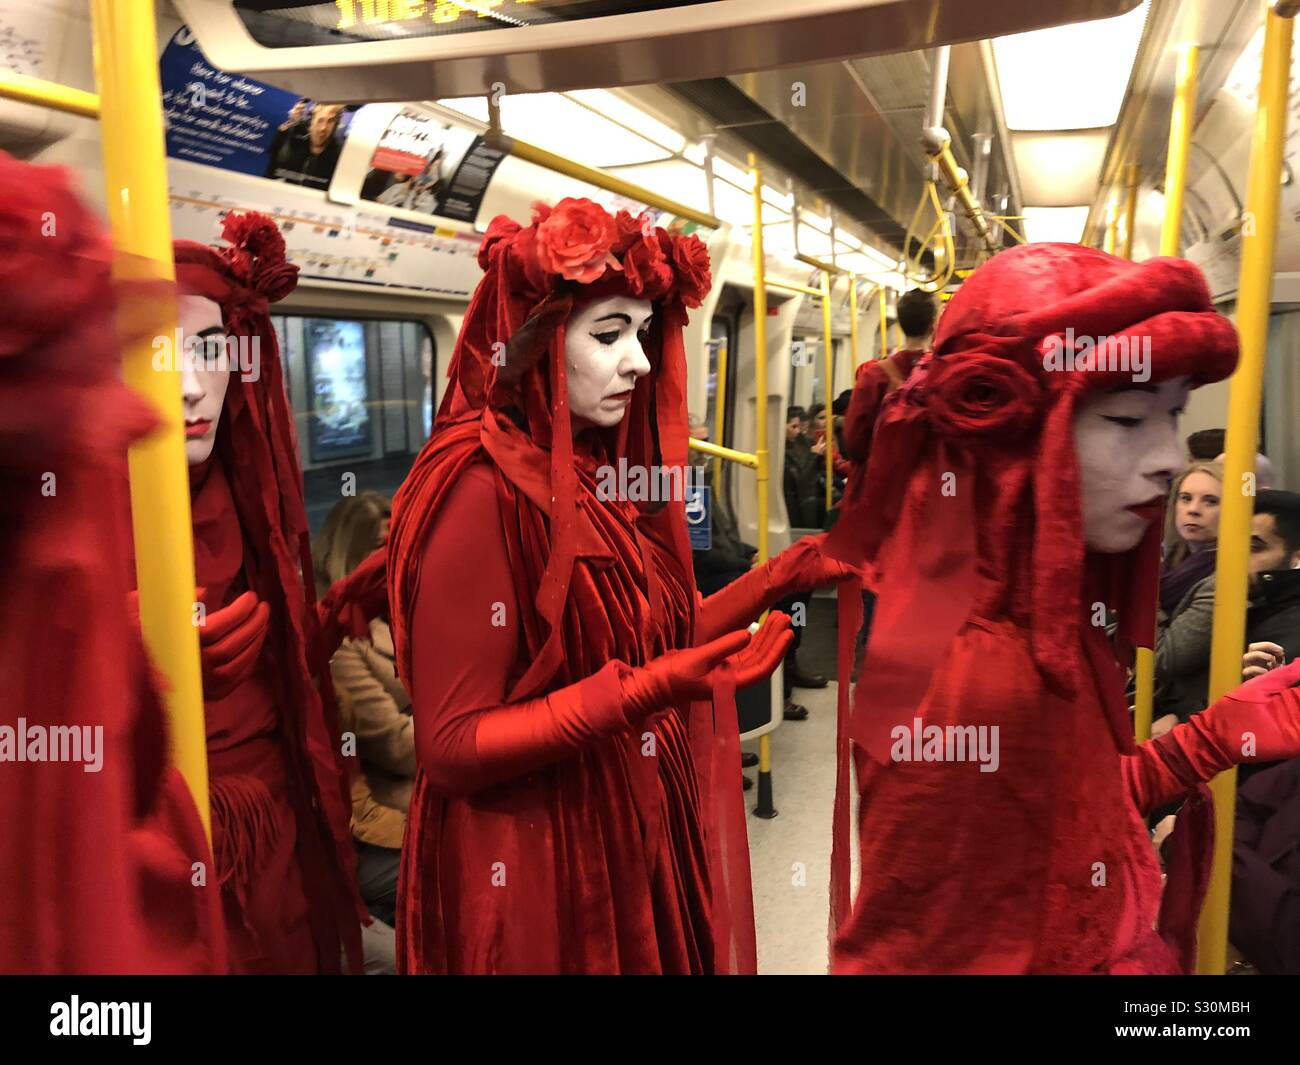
column 1012, row 506
column 103, row 858
column 577, row 807
column 278, row 784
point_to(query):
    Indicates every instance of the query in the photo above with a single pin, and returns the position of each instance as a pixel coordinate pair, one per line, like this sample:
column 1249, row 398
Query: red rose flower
column 975, row 394
column 691, row 261
column 649, row 274
column 575, row 240
column 631, row 228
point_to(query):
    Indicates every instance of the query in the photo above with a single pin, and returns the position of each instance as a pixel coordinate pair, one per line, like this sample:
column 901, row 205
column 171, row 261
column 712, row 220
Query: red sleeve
column 864, row 405
column 1232, row 731
column 464, row 640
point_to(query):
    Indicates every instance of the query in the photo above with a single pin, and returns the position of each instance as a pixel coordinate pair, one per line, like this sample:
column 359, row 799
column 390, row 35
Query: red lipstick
column 1152, row 510
column 194, row 430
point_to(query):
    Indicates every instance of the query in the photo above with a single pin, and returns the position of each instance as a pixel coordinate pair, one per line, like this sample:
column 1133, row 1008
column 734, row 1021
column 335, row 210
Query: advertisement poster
column 236, row 123
column 424, row 165
column 339, row 425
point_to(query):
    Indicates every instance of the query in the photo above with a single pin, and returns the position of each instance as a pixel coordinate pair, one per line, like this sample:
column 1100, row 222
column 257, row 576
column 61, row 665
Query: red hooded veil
column 251, row 533
column 595, row 581
column 971, row 512
column 95, row 866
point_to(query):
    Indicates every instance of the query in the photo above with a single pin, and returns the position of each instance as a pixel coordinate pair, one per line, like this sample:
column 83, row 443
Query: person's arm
column 385, row 735
column 464, row 638
column 1183, row 648
column 864, row 406
column 800, row 568
column 1256, row 722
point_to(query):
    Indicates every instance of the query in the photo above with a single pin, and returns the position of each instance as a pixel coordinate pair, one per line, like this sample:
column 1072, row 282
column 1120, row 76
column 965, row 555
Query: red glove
column 1256, row 722
column 230, row 639
column 688, row 674
column 353, row 601
column 466, row 750
column 800, row 568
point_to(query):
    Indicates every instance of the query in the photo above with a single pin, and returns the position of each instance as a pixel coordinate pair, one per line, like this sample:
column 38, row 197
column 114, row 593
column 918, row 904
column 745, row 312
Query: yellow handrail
column 828, row 362
column 853, row 319
column 602, row 180
column 1181, row 121
column 1254, row 294
column 135, row 171
column 706, row 447
column 1130, row 209
column 789, row 286
column 720, row 408
column 41, row 93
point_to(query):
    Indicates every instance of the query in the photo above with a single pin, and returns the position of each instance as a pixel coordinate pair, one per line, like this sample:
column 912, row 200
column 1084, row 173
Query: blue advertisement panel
column 237, row 123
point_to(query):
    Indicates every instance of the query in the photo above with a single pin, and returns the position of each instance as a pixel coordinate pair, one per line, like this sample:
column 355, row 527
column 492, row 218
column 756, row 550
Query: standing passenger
column 279, row 792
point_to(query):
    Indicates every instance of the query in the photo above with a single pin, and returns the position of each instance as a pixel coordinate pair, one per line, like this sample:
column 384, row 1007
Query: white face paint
column 205, row 373
column 1128, row 451
column 603, row 349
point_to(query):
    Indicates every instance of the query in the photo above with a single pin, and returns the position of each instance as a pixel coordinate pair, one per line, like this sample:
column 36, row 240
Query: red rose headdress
column 973, row 492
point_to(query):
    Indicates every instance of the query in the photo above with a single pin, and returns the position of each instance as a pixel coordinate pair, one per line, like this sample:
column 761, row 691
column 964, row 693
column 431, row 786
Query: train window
column 362, row 394
column 720, row 342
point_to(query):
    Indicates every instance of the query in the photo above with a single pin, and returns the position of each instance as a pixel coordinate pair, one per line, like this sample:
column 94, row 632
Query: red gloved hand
column 1256, row 722
column 230, row 639
column 800, row 568
column 688, row 674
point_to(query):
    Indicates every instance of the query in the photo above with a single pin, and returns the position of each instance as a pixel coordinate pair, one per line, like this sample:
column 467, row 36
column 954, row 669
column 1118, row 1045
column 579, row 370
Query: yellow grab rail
column 728, row 454
column 1181, row 122
column 602, row 180
column 828, row 362
column 135, row 171
column 1254, row 295
column 26, row 90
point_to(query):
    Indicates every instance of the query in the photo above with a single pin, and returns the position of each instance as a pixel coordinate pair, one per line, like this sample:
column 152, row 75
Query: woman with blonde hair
column 1187, row 594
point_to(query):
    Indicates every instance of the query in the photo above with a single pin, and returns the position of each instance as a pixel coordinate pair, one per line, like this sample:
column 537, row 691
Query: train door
column 362, row 395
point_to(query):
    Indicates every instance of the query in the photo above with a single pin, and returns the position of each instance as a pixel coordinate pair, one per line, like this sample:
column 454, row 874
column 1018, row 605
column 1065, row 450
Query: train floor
column 790, row 854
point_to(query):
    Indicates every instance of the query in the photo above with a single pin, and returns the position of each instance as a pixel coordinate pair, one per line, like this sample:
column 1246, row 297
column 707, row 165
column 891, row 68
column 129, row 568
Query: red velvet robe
column 593, row 864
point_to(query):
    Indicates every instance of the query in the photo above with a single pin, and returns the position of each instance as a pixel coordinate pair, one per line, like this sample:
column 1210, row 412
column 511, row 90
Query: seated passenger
column 365, row 679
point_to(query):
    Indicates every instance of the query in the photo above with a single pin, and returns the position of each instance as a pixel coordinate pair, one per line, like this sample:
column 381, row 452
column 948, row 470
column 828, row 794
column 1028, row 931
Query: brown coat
column 379, row 712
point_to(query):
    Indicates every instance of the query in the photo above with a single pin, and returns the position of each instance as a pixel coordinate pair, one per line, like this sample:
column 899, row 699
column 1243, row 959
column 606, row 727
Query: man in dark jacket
column 800, row 480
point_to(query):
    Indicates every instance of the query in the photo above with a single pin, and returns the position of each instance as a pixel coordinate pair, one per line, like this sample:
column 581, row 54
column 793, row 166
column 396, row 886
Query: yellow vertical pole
column 1130, row 208
column 853, row 319
column 135, row 170
column 1254, row 295
column 760, row 433
column 828, row 360
column 1181, row 123
column 884, row 324
column 1112, row 225
column 760, row 358
column 720, row 410
column 1182, row 120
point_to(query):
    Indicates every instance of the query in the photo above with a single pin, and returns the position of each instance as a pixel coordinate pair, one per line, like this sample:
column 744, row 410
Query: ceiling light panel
column 1069, row 77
